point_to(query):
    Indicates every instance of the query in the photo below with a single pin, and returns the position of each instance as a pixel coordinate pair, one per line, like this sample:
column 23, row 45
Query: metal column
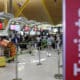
column 5, row 6
column 11, row 6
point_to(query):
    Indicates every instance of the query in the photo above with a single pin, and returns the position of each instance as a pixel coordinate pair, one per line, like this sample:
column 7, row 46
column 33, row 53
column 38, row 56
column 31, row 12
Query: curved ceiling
column 39, row 10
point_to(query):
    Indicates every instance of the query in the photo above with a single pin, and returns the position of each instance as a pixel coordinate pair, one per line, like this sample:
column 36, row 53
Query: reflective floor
column 28, row 68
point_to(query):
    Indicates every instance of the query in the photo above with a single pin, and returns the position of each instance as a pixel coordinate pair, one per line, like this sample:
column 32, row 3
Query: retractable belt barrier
column 13, row 57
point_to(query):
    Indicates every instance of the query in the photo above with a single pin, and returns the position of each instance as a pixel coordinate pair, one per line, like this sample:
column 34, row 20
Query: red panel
column 72, row 68
column 1, row 26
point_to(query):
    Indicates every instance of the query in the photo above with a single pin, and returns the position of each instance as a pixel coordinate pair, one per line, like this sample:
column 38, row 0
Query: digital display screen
column 12, row 27
column 15, row 27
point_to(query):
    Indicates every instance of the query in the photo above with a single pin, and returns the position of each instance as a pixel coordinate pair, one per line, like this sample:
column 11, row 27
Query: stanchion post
column 39, row 57
column 58, row 75
column 16, row 78
column 31, row 49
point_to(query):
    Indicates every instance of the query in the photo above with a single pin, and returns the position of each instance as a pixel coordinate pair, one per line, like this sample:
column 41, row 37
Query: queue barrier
column 10, row 58
column 16, row 58
column 58, row 75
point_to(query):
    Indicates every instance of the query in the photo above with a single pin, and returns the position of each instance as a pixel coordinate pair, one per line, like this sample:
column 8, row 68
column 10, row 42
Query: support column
column 11, row 6
column 5, row 6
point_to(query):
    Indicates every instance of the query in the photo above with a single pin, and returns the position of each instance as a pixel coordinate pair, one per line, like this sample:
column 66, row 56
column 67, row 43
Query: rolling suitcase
column 2, row 61
column 2, row 58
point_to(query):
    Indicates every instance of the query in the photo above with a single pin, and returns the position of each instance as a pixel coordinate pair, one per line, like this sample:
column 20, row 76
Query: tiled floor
column 28, row 68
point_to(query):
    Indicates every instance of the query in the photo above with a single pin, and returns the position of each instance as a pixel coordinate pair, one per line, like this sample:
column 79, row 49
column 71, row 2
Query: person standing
column 49, row 45
column 58, row 41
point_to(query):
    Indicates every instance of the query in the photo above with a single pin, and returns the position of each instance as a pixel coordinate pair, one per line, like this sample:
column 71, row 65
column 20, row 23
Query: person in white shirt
column 58, row 41
column 49, row 45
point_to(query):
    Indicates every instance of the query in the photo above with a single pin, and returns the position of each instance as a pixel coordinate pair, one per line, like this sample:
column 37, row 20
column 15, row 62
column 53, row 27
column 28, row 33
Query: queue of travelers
column 38, row 41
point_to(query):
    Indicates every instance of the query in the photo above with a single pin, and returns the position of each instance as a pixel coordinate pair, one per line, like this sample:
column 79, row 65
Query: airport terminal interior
column 31, row 40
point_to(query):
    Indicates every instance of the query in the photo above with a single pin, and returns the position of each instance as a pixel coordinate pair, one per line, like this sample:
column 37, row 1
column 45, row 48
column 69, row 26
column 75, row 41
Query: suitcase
column 2, row 61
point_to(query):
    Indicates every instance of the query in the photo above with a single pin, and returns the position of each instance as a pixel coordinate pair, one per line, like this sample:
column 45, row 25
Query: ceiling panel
column 39, row 10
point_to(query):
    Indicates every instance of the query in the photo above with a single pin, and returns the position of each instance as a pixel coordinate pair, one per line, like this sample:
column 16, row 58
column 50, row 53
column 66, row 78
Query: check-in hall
column 39, row 40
